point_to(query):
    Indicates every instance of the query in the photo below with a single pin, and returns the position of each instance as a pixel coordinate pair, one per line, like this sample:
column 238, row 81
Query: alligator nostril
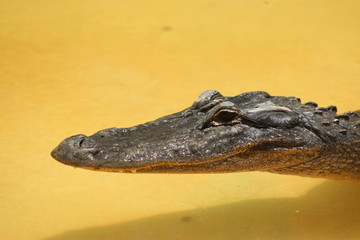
column 87, row 143
column 54, row 153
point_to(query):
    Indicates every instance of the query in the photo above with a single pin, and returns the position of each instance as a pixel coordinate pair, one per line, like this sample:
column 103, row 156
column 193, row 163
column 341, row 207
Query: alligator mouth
column 273, row 146
column 200, row 164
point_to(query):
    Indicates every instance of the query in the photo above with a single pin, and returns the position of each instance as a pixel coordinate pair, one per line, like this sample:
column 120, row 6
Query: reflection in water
column 329, row 211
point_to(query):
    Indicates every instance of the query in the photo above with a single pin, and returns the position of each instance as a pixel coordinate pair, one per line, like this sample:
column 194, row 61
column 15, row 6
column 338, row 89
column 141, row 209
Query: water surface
column 72, row 67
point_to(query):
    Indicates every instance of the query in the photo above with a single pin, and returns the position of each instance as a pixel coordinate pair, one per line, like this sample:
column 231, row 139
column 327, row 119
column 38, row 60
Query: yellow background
column 70, row 67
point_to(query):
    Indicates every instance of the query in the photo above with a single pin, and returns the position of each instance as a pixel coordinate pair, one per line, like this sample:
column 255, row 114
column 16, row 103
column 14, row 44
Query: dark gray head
column 251, row 131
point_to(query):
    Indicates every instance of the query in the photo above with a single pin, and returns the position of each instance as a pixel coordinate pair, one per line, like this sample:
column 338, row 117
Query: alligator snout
column 78, row 147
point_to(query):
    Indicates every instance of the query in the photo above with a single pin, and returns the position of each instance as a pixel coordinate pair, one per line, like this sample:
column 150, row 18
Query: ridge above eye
column 273, row 118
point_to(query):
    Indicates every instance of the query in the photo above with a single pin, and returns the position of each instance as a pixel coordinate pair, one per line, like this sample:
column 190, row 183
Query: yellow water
column 71, row 67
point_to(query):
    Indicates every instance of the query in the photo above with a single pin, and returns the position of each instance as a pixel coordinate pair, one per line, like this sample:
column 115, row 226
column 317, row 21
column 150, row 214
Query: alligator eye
column 225, row 116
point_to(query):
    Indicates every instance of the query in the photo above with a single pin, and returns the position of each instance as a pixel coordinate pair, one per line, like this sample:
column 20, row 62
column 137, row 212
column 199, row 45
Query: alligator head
column 249, row 132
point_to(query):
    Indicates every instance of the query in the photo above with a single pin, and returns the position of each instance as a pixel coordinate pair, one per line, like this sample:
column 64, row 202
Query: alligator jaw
column 248, row 157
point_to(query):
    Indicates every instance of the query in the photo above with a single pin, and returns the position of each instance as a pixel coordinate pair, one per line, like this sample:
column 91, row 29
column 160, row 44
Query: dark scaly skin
column 249, row 132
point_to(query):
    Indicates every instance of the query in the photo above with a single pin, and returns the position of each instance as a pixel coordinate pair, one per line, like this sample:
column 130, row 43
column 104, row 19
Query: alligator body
column 249, row 132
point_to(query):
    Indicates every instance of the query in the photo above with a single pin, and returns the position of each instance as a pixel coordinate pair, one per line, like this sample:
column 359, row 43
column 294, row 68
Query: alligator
column 253, row 131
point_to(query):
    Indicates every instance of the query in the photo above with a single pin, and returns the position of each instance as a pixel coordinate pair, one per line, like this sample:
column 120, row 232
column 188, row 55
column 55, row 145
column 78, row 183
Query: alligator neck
column 338, row 161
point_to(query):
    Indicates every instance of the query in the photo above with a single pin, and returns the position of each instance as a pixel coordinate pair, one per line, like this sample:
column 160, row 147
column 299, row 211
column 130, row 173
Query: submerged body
column 249, row 132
